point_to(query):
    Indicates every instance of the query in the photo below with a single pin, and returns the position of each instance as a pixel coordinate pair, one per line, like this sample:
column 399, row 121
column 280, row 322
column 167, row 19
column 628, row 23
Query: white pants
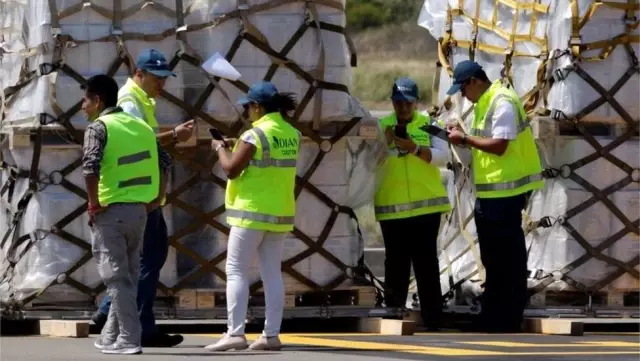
column 243, row 246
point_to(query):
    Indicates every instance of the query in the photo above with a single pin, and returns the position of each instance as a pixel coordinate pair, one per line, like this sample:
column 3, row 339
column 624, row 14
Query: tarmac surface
column 353, row 347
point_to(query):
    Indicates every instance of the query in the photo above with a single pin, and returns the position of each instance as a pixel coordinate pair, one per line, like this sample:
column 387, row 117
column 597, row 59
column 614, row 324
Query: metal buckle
column 46, row 119
column 556, row 114
column 46, row 69
column 630, row 20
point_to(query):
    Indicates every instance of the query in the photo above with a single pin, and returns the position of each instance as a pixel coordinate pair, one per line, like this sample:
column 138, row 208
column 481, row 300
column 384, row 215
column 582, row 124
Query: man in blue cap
column 506, row 170
column 409, row 203
column 138, row 97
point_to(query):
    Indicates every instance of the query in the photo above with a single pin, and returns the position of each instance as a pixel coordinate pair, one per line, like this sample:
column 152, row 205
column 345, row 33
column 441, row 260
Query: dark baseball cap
column 260, row 92
column 464, row 71
column 154, row 62
column 404, row 89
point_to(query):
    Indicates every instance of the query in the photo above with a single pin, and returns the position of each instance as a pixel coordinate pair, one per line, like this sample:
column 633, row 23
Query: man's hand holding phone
column 402, row 140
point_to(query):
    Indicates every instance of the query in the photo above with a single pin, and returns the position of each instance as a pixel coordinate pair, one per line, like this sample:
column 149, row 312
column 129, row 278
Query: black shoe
column 99, row 319
column 162, row 340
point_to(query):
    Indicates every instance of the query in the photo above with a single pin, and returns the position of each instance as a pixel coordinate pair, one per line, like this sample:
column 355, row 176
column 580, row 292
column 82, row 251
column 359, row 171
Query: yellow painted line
column 612, row 343
column 379, row 346
column 291, row 339
column 427, row 350
column 533, row 345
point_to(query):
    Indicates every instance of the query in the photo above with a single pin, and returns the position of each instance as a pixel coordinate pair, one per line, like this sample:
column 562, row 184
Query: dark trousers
column 155, row 249
column 413, row 241
column 504, row 256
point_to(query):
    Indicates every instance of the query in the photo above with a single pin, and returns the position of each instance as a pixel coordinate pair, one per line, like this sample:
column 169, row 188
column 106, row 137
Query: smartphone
column 436, row 132
column 215, row 133
column 401, row 131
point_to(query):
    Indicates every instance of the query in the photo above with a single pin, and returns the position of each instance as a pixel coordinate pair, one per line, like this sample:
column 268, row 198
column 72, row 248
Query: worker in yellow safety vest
column 138, row 98
column 506, row 169
column 260, row 208
column 409, row 204
column 122, row 163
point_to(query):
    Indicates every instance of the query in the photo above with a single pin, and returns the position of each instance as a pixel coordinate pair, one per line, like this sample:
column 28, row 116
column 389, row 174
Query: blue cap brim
column 243, row 101
column 454, row 89
column 402, row 97
column 162, row 73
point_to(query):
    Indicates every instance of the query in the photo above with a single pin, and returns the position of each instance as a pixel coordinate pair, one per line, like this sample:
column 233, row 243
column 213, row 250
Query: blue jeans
column 155, row 248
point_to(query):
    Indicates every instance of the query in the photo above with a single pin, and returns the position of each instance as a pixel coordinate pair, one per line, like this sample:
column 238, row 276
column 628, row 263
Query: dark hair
column 282, row 103
column 104, row 87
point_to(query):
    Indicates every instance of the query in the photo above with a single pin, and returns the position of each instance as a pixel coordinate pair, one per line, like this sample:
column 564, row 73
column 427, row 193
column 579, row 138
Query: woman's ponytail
column 282, row 103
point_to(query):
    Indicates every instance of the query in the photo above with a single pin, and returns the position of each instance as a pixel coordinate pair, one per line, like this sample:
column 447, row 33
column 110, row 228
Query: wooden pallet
column 608, row 299
column 546, row 128
column 203, row 299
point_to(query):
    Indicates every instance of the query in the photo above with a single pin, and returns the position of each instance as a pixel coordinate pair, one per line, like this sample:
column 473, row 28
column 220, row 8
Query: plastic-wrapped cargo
column 572, row 62
column 47, row 48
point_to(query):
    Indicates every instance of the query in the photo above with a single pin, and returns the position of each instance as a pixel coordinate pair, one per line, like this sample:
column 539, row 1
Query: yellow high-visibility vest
column 262, row 197
column 129, row 170
column 147, row 106
column 410, row 187
column 519, row 169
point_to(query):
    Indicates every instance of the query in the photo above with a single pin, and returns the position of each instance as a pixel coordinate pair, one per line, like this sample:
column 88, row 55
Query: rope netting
column 18, row 245
column 536, row 57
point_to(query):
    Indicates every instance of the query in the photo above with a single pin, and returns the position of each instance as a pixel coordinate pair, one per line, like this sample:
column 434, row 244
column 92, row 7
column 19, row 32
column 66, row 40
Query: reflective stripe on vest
column 488, row 122
column 259, row 217
column 509, row 185
column 129, row 168
column 266, row 160
column 411, row 206
column 130, row 159
column 518, row 169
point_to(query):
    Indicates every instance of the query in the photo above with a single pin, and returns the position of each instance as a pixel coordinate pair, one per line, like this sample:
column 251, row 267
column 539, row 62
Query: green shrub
column 363, row 14
column 372, row 80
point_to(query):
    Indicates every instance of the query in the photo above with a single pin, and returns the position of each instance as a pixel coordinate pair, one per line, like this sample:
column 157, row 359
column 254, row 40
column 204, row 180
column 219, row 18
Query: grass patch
column 387, row 53
column 374, row 77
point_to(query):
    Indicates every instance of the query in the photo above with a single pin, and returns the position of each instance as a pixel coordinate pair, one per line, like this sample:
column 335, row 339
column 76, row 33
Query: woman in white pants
column 260, row 208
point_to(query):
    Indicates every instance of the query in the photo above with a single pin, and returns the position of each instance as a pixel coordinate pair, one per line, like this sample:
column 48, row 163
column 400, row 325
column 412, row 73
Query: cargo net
column 18, row 245
column 515, row 41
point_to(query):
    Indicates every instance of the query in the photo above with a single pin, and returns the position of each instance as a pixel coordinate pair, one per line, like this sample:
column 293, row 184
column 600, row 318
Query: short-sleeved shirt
column 504, row 124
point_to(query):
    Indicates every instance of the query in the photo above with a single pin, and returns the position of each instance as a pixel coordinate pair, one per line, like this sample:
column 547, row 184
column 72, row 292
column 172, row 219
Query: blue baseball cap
column 405, row 89
column 260, row 92
column 464, row 71
column 154, row 62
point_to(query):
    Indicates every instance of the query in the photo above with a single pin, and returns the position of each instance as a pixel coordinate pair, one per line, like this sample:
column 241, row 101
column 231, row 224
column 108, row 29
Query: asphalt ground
column 353, row 347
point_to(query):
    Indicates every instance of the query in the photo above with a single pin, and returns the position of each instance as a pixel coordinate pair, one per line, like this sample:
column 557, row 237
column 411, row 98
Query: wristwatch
column 174, row 134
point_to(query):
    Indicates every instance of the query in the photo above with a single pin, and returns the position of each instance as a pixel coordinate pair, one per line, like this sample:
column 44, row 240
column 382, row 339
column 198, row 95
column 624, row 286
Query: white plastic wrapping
column 88, row 57
column 345, row 175
column 572, row 94
column 551, row 249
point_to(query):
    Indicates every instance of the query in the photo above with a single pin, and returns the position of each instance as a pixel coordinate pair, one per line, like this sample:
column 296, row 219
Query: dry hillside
column 389, row 52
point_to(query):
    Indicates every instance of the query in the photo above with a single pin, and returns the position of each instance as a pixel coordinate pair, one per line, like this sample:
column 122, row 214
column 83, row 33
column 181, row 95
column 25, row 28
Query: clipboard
column 436, row 132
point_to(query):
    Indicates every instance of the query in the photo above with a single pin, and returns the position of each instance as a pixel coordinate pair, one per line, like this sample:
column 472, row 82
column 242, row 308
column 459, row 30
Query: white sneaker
column 100, row 344
column 121, row 349
column 264, row 343
column 228, row 342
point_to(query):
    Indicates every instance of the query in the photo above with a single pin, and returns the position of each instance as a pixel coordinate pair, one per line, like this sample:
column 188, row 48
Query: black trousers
column 413, row 240
column 504, row 256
